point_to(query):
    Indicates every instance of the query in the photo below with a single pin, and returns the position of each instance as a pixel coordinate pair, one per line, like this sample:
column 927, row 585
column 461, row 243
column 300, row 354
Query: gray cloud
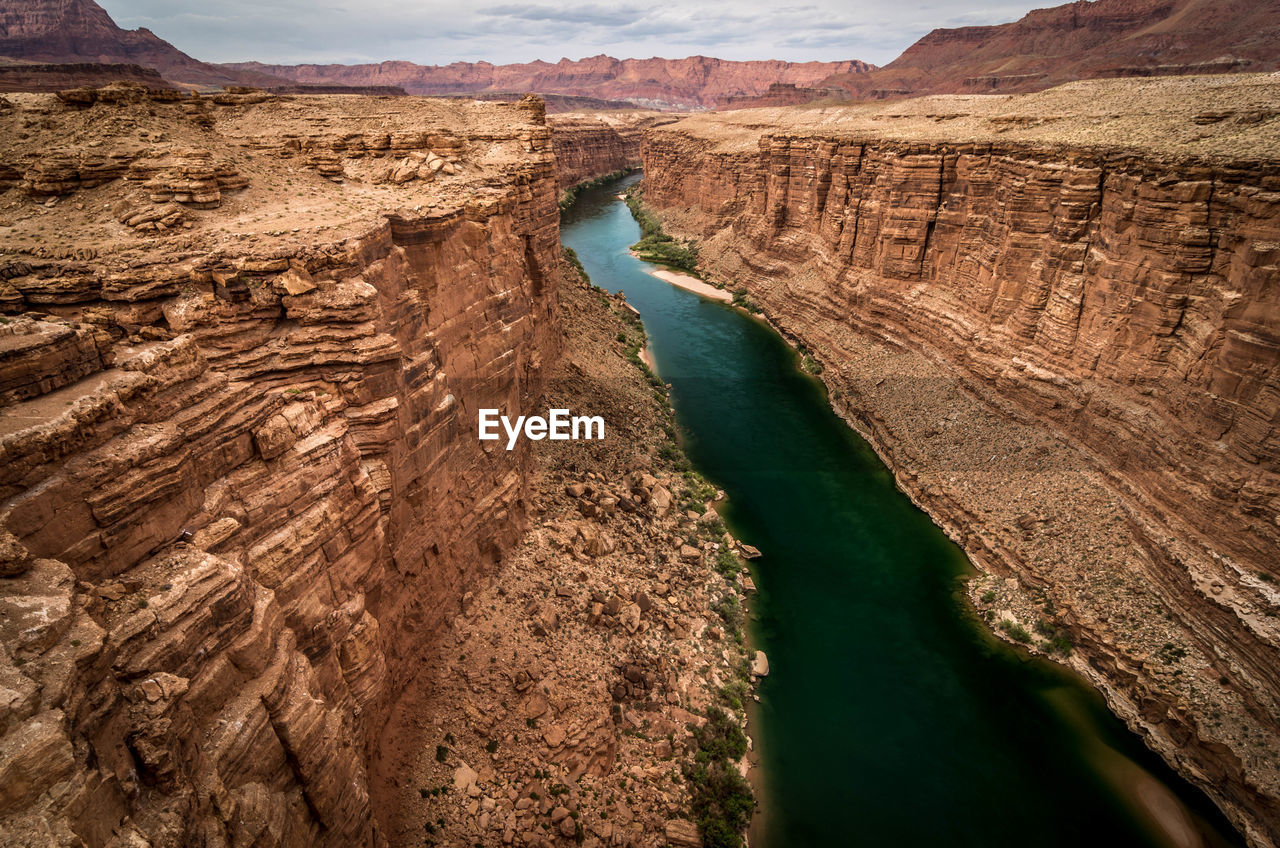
column 600, row 16
column 438, row 32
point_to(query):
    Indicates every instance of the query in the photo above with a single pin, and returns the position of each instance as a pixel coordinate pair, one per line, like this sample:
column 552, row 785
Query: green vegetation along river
column 890, row 716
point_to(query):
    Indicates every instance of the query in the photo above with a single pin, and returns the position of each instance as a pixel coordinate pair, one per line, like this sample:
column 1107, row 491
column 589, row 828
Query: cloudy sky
column 434, row 32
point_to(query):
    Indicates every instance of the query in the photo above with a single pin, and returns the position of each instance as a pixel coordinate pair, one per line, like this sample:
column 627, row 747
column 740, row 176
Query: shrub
column 727, row 563
column 730, row 610
column 1016, row 631
column 740, row 299
column 655, row 245
column 722, row 799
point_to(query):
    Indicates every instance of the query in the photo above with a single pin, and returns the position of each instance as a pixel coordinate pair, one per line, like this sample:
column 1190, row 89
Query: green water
column 889, row 718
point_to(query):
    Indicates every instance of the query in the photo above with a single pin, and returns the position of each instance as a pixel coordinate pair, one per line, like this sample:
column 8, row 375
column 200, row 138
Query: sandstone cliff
column 1058, row 317
column 81, row 31
column 244, row 344
column 587, row 146
column 1081, row 40
column 59, row 77
column 691, row 83
column 783, row 94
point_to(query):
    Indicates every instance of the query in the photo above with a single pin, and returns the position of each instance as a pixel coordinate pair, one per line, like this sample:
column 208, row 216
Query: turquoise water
column 890, row 717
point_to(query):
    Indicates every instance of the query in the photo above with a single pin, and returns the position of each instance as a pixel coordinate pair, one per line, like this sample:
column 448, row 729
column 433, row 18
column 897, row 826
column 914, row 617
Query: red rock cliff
column 690, row 83
column 240, row 485
column 1082, row 40
column 1070, row 352
column 589, row 147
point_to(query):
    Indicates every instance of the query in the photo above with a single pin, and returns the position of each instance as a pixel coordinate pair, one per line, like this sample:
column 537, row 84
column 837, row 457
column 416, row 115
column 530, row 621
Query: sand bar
column 693, row 284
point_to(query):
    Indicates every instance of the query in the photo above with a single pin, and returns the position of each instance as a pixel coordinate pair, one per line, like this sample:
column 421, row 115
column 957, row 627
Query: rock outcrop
column 588, row 146
column 59, row 77
column 1068, row 350
column 1081, row 40
column 81, row 31
column 239, row 486
column 783, row 94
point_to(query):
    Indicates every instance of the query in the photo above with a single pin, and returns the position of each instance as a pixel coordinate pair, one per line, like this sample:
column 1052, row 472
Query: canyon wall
column 1069, row 354
column 241, row 358
column 587, row 147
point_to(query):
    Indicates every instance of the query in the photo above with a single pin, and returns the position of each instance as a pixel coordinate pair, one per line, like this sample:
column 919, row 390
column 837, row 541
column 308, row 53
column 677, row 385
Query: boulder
column 630, row 617
column 760, row 665
column 682, row 833
column 14, row 557
column 464, row 777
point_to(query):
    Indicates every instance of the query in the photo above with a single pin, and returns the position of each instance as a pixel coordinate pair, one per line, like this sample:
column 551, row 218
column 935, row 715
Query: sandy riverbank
column 692, row 284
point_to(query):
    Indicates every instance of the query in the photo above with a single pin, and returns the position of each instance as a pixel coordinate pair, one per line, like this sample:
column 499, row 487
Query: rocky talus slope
column 1058, row 317
column 243, row 347
column 560, row 707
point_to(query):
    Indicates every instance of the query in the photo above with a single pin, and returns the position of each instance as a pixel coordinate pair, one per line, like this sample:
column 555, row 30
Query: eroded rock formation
column 240, row 489
column 59, row 77
column 80, row 31
column 588, row 146
column 691, row 83
column 1081, row 40
column 1068, row 350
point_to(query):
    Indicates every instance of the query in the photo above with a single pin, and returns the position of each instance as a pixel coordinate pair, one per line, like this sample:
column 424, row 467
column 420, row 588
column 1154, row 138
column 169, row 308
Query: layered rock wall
column 1117, row 314
column 586, row 148
column 240, row 488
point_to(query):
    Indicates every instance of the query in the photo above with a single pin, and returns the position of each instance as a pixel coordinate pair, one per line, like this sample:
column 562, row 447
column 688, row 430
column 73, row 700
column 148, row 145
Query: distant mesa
column 697, row 82
column 1082, row 40
column 38, row 76
column 366, row 90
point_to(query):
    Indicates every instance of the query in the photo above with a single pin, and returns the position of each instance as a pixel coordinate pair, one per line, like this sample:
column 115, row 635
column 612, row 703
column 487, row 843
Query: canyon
column 260, row 584
column 1055, row 317
column 238, row 485
column 589, row 145
column 248, row 535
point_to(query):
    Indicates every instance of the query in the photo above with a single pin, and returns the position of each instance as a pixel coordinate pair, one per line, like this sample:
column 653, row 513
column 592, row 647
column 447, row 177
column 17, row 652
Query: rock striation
column 783, row 94
column 81, row 31
column 696, row 82
column 587, row 146
column 59, row 77
column 1069, row 352
column 1081, row 40
column 239, row 486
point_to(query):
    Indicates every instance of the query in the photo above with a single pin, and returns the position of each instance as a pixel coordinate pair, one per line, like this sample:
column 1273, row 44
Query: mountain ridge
column 1087, row 39
column 691, row 82
column 79, row 31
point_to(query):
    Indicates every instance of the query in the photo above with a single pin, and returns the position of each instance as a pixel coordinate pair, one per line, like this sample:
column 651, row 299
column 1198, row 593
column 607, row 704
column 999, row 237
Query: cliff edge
column 1056, row 315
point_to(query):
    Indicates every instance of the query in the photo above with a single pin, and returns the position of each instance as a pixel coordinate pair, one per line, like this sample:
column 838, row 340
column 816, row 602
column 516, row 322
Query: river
column 890, row 717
